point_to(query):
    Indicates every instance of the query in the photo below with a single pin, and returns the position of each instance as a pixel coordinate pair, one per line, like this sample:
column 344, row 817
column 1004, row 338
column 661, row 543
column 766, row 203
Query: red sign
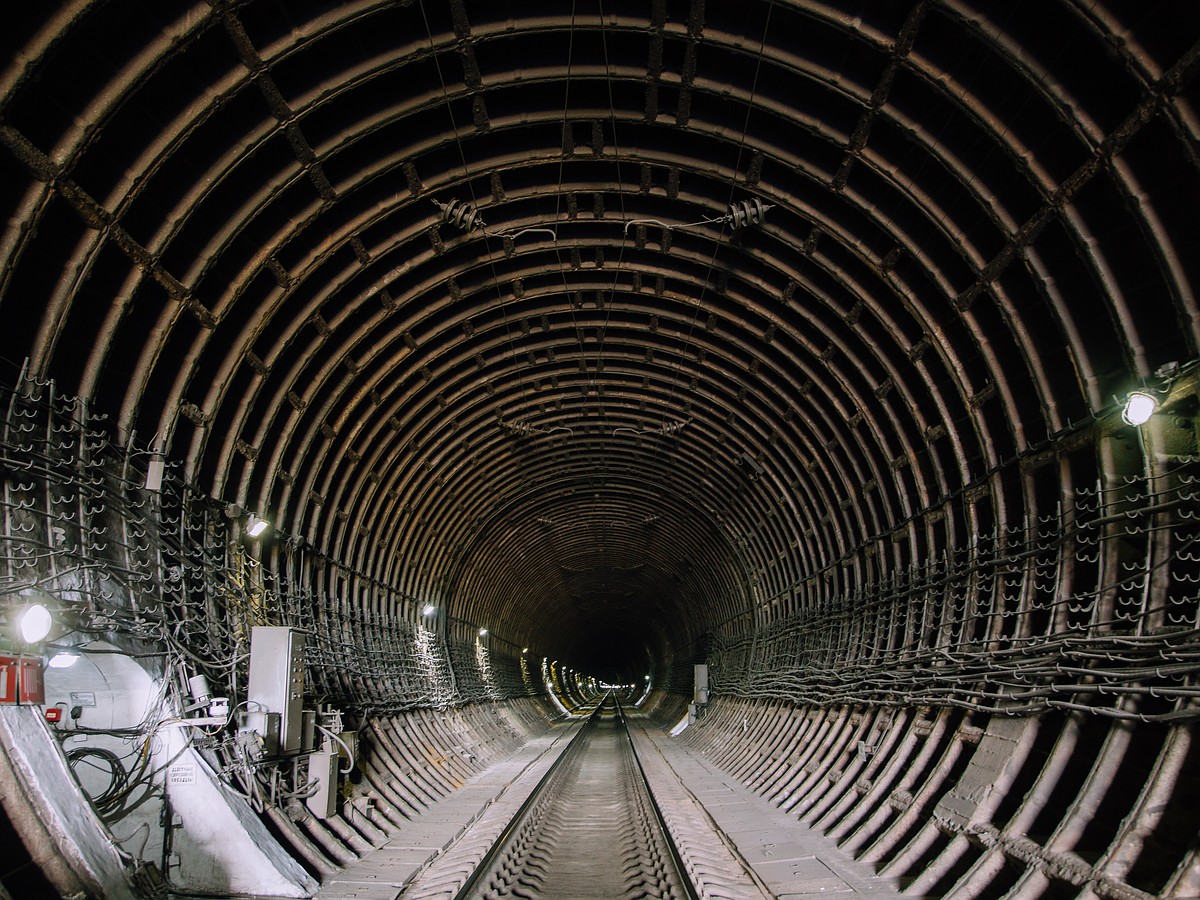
column 21, row 680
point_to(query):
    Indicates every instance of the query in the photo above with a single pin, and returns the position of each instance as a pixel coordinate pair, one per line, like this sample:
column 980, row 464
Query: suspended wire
column 724, row 221
column 740, row 214
column 472, row 213
column 465, row 217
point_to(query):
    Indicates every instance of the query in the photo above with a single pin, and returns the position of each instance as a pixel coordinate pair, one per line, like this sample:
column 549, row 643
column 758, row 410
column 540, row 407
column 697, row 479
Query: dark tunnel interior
column 568, row 344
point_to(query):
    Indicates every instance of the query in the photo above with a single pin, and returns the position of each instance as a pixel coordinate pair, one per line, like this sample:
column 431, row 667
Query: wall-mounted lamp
column 524, row 649
column 1139, row 407
column 34, row 623
column 428, row 610
column 483, row 632
column 63, row 659
column 255, row 526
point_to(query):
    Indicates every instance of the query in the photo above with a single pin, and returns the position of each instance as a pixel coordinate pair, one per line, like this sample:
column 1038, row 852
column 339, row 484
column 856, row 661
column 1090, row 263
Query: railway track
column 589, row 829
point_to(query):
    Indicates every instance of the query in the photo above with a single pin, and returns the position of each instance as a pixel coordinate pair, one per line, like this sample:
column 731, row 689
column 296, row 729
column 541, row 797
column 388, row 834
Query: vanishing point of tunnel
column 795, row 399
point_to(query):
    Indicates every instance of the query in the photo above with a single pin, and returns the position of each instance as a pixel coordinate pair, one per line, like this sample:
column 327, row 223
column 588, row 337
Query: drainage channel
column 589, row 829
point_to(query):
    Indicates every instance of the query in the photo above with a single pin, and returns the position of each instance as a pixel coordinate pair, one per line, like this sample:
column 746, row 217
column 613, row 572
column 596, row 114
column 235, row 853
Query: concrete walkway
column 385, row 872
column 787, row 859
column 791, row 860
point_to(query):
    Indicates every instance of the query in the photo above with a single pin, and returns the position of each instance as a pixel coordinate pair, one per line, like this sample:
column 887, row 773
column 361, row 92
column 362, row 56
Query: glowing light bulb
column 1139, row 407
column 35, row 623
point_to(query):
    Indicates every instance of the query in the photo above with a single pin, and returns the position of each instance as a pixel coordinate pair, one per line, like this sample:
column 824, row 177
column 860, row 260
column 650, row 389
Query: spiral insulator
column 748, row 212
column 460, row 214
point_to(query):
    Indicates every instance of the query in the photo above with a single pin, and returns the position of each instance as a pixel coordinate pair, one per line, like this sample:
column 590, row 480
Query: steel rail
column 500, row 846
column 680, row 866
column 488, row 863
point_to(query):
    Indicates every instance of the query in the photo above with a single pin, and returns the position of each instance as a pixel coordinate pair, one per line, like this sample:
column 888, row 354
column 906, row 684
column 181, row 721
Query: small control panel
column 277, row 680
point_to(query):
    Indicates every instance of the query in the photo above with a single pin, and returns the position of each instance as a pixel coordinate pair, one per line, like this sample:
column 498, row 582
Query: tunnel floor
column 789, row 858
column 714, row 818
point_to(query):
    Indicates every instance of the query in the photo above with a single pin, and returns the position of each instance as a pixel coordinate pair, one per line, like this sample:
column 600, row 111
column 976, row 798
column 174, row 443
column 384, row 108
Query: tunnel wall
column 166, row 569
column 975, row 805
column 155, row 576
column 863, row 457
column 960, row 725
column 1087, row 604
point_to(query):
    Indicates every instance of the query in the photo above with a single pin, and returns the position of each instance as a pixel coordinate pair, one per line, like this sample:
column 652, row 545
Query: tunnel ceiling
column 602, row 324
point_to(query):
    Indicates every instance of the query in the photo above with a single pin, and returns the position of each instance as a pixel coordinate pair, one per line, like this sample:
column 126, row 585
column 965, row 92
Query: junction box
column 277, row 680
column 700, row 681
column 323, row 769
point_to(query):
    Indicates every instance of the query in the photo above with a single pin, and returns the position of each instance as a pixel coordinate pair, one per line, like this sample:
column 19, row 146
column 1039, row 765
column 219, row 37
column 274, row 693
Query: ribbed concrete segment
column 571, row 344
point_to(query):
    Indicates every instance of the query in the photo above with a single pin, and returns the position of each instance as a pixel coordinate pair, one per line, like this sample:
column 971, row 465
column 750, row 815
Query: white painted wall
column 218, row 845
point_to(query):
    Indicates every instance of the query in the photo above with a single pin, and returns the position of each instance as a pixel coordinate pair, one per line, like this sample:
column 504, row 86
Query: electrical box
column 10, row 679
column 21, row 680
column 266, row 726
column 308, row 730
column 323, row 769
column 700, row 694
column 277, row 680
column 348, row 748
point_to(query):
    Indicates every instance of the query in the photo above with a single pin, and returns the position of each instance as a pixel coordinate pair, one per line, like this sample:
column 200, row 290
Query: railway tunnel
column 845, row 349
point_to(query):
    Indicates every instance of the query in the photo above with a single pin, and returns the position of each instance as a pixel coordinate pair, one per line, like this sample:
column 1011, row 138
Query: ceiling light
column 63, row 659
column 34, row 623
column 483, row 632
column 255, row 526
column 429, row 609
column 524, row 649
column 1139, row 407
